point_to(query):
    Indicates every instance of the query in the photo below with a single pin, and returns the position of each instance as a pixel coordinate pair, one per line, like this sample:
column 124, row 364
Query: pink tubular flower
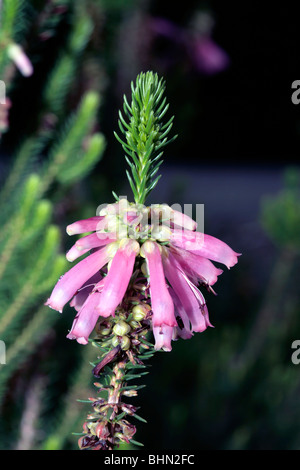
column 81, row 296
column 205, row 246
column 161, row 302
column 163, row 336
column 183, row 329
column 73, row 280
column 86, row 319
column 85, row 244
column 83, row 226
column 190, row 297
column 197, row 266
column 118, row 277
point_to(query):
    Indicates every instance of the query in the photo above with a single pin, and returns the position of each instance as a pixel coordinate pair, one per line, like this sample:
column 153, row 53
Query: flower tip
column 200, row 329
column 80, row 339
column 69, row 230
column 191, row 225
column 50, row 304
column 27, row 69
column 22, row 62
column 147, row 248
column 163, row 348
column 234, row 260
column 69, row 257
column 74, row 253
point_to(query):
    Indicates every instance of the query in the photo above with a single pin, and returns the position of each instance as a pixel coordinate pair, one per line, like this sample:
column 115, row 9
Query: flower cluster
column 158, row 245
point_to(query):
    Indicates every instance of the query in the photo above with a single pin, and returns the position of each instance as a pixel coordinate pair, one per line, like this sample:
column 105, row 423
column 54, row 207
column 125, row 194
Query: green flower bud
column 134, row 324
column 140, row 311
column 104, row 330
column 125, row 343
column 115, row 341
column 121, row 328
column 130, row 393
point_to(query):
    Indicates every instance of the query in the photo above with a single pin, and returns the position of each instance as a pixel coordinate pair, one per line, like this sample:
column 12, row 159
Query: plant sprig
column 145, row 133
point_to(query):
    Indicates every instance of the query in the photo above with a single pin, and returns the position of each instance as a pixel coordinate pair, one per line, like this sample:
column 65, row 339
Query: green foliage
column 11, row 18
column 62, row 75
column 281, row 215
column 66, row 162
column 45, row 163
column 145, row 133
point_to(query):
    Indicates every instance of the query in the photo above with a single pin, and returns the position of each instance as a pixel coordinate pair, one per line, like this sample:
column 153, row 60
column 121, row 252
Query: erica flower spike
column 141, row 271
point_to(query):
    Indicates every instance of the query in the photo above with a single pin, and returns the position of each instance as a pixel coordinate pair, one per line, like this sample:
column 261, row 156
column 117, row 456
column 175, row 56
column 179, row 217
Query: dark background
column 244, row 114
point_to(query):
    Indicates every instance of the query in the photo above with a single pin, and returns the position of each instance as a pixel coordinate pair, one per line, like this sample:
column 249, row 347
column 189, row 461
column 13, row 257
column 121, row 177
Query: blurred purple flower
column 206, row 56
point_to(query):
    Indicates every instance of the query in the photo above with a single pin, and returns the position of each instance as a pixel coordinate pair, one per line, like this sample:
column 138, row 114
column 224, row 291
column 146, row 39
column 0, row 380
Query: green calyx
column 145, row 133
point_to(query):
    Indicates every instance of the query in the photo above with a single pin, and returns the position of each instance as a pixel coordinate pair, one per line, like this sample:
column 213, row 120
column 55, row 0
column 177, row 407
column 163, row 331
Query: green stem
column 145, row 133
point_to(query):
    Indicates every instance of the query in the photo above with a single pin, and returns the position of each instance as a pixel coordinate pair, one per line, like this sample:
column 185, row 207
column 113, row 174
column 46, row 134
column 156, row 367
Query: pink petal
column 74, row 253
column 162, row 213
column 85, row 225
column 197, row 266
column 81, row 295
column 192, row 305
column 85, row 244
column 163, row 336
column 161, row 301
column 183, row 220
column 118, row 277
column 206, row 246
column 183, row 331
column 94, row 240
column 74, row 279
column 201, row 301
column 85, row 320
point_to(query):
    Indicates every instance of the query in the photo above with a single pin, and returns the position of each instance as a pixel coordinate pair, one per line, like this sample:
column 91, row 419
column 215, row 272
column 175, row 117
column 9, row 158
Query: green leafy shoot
column 145, row 133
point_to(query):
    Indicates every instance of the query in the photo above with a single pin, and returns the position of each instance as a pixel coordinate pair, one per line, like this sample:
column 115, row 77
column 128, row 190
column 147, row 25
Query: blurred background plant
column 58, row 143
column 66, row 65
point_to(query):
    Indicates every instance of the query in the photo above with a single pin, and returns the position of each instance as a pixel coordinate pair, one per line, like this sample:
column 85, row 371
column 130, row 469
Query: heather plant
column 141, row 275
column 139, row 283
